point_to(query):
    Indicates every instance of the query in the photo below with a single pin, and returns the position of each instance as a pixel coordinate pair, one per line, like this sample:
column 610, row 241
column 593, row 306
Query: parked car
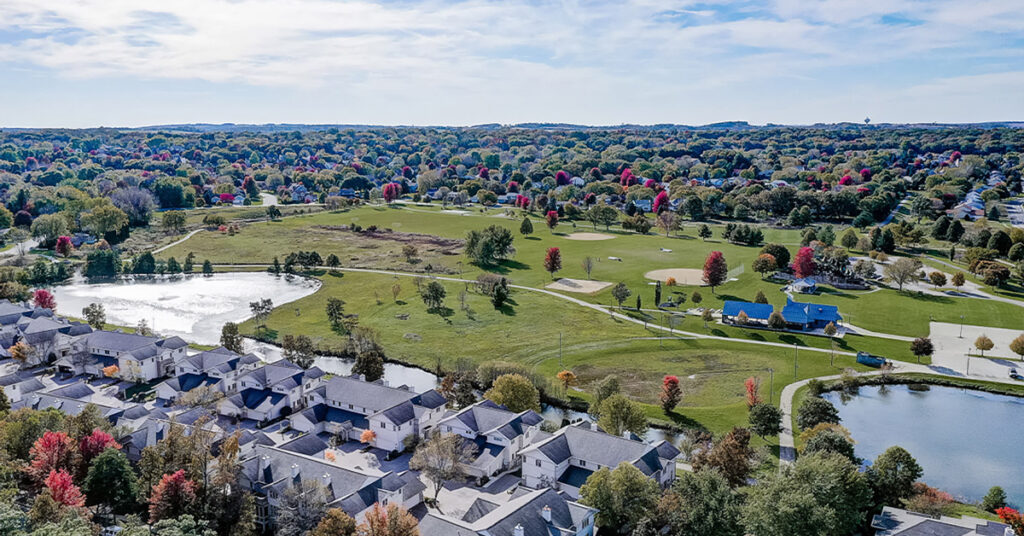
column 1014, row 375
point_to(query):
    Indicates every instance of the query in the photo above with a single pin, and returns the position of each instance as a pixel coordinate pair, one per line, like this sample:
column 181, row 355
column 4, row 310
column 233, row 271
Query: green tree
column 95, row 315
column 765, row 420
column 605, row 388
column 111, row 482
column 892, row 476
column 831, row 441
column 514, row 391
column 299, row 349
column 622, row 497
column 821, row 494
column 994, row 499
column 489, row 246
column 207, row 268
column 364, row 344
column 704, row 232
column 104, row 219
column 849, row 239
column 173, row 220
column 47, row 227
column 814, row 411
column 620, row 292
column 433, row 294
column 620, row 414
column 231, row 339
column 708, row 505
column 526, row 228
column 335, row 313
column 731, row 455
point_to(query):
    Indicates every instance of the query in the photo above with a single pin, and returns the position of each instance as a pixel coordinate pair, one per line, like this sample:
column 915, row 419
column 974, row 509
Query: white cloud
column 527, row 56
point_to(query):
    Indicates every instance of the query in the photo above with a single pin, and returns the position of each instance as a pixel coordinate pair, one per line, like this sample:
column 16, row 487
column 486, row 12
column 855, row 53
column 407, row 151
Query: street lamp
column 794, row 360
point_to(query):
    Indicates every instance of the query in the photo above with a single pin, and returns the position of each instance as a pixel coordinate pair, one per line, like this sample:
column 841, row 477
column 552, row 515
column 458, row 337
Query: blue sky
column 80, row 63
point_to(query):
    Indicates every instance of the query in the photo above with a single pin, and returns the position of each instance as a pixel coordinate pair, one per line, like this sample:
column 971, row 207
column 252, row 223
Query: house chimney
column 518, row 531
column 261, row 464
column 326, row 480
column 295, row 470
column 546, row 514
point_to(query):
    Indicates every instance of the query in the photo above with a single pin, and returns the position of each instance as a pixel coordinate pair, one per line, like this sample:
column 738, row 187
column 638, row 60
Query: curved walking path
column 594, row 306
column 176, row 242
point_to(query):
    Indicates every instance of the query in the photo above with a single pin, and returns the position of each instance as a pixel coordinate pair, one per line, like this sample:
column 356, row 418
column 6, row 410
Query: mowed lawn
column 884, row 310
column 527, row 331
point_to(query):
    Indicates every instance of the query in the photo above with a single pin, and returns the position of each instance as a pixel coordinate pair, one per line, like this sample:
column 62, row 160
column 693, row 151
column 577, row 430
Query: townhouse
column 218, row 369
column 542, row 512
column 138, row 358
column 499, row 435
column 348, row 406
column 271, row 391
column 271, row 471
column 565, row 460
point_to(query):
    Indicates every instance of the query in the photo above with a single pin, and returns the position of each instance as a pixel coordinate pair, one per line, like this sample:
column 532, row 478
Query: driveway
column 951, row 350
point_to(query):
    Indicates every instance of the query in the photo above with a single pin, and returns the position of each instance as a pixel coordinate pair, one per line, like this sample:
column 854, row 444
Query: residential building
column 219, row 369
column 899, row 522
column 271, row 391
column 348, row 406
column 138, row 358
column 270, row 471
column 565, row 460
column 542, row 512
column 499, row 435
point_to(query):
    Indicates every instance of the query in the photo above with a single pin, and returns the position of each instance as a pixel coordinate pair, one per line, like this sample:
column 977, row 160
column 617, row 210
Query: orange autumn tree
column 172, row 496
column 111, row 371
column 367, row 436
column 1012, row 518
column 393, row 521
column 751, row 386
column 567, row 378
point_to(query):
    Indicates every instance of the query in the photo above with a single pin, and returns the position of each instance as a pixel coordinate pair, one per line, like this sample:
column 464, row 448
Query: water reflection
column 966, row 441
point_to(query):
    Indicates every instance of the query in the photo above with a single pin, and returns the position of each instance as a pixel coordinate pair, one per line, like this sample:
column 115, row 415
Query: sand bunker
column 579, row 285
column 589, row 236
column 683, row 276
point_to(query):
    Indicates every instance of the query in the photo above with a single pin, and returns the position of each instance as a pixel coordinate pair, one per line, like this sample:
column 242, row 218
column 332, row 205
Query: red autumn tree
column 171, row 497
column 715, row 270
column 54, row 451
column 751, row 386
column 561, row 178
column 627, row 178
column 512, row 187
column 43, row 298
column 64, row 246
column 95, row 443
column 803, row 264
column 63, row 489
column 660, row 202
column 1012, row 518
column 671, row 394
column 391, row 191
column 553, row 261
column 552, row 219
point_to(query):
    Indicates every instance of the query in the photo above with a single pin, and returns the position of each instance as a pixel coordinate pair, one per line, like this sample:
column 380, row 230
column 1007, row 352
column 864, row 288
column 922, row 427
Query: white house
column 565, row 460
column 347, row 406
column 542, row 512
column 219, row 368
column 138, row 358
column 498, row 434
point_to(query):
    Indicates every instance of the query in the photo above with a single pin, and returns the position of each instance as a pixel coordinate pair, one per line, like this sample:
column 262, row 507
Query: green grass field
column 593, row 344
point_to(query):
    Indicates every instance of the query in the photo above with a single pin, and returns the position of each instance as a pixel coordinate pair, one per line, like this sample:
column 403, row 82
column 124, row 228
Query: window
column 538, row 463
column 583, row 463
column 384, row 425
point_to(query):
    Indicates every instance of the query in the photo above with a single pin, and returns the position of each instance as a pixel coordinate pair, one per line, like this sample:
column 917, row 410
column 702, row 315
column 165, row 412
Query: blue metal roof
column 755, row 311
column 807, row 313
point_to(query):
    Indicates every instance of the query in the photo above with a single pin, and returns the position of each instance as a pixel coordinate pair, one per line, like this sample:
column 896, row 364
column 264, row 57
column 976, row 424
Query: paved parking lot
column 951, row 348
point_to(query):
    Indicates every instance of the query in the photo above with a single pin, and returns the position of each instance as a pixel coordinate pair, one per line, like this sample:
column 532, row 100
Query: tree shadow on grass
column 683, row 421
column 507, row 310
column 507, row 266
column 755, row 336
column 537, row 238
column 792, row 339
column 719, row 333
column 335, row 273
column 929, row 298
column 442, row 311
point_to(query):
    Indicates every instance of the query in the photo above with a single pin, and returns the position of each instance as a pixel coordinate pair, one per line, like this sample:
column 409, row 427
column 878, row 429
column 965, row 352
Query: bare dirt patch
column 582, row 286
column 683, row 276
column 589, row 237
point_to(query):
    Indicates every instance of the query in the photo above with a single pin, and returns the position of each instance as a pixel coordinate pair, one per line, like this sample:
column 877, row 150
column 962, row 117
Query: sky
column 86, row 63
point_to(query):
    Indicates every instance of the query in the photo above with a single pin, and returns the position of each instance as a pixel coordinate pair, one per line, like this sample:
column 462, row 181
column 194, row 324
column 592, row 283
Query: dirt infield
column 588, row 236
column 578, row 285
column 683, row 276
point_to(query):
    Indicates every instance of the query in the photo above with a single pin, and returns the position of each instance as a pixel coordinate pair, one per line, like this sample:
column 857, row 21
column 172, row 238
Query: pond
column 966, row 441
column 193, row 307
